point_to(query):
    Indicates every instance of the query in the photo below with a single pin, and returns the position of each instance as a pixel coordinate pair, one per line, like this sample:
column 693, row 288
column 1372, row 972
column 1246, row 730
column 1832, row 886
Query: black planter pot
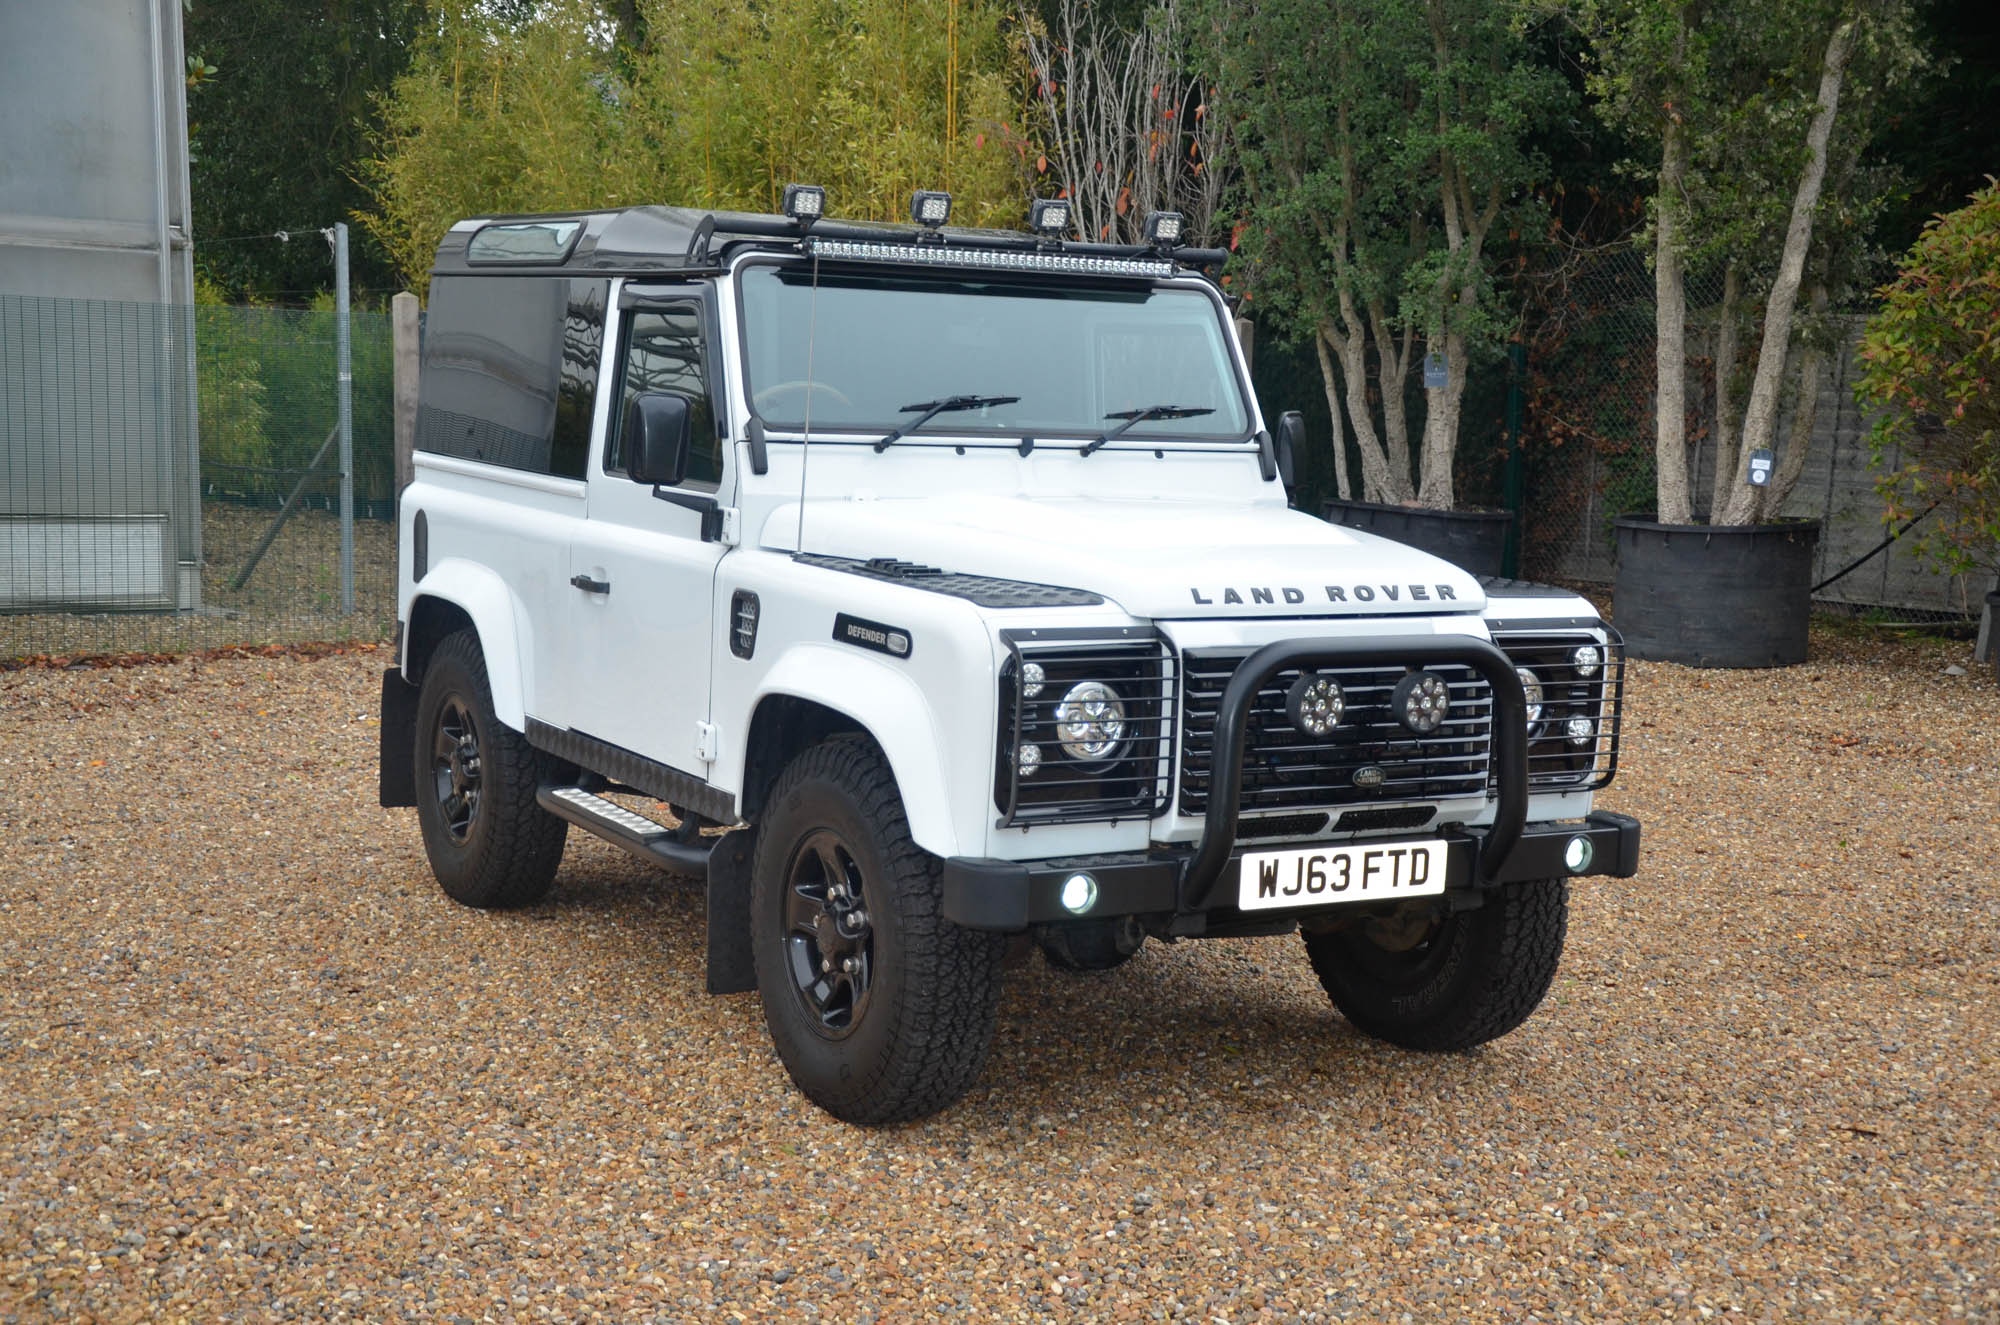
column 1714, row 596
column 1473, row 541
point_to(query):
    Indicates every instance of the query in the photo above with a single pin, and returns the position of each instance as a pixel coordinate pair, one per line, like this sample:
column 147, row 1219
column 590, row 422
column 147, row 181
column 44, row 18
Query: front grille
column 1130, row 780
column 1555, row 763
column 1285, row 768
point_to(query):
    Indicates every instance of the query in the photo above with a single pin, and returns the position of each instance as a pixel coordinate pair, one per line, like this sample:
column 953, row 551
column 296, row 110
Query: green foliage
column 284, row 105
column 727, row 102
column 1932, row 359
column 229, row 388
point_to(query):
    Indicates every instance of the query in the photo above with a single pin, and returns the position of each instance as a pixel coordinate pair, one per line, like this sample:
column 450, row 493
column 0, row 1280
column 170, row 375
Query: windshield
column 1078, row 357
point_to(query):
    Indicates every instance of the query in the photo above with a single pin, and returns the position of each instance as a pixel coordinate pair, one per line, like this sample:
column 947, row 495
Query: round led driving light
column 1420, row 702
column 1090, row 721
column 1577, row 854
column 1032, row 679
column 1315, row 704
column 1586, row 659
column 1028, row 759
column 1579, row 731
column 1531, row 687
column 1079, row 894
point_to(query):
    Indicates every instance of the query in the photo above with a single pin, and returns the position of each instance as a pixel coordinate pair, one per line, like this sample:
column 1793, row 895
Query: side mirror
column 657, row 429
column 1291, row 435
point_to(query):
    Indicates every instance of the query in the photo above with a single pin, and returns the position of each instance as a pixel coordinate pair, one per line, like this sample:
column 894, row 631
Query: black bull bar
column 1510, row 737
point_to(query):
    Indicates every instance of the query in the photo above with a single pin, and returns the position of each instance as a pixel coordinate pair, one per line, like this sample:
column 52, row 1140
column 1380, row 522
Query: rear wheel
column 881, row 1009
column 1460, row 980
column 489, row 843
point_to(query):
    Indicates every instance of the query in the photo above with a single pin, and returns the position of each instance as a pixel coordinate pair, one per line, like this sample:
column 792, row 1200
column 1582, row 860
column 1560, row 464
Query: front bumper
column 1011, row 895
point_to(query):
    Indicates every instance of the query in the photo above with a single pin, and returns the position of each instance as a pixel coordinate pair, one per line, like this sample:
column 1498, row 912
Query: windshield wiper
column 1133, row 416
column 932, row 408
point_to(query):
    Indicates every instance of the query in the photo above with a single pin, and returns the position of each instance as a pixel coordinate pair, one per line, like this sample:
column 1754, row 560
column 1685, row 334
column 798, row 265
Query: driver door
column 642, row 575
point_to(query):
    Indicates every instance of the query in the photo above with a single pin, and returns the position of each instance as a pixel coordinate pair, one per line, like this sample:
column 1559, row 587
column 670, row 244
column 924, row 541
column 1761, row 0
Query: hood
column 1157, row 559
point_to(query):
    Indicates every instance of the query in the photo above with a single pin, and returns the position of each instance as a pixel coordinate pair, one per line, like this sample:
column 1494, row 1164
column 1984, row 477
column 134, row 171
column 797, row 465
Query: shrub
column 1933, row 371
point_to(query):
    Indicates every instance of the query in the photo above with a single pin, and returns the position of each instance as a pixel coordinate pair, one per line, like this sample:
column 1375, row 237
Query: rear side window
column 664, row 351
column 510, row 371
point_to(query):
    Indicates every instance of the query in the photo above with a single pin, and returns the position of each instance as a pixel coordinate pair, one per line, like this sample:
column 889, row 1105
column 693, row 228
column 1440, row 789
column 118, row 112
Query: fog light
column 1315, row 704
column 1028, row 760
column 1579, row 731
column 1577, row 854
column 1079, row 893
column 1420, row 702
column 1586, row 659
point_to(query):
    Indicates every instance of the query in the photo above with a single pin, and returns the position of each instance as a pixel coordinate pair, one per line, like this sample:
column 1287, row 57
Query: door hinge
column 705, row 741
column 732, row 527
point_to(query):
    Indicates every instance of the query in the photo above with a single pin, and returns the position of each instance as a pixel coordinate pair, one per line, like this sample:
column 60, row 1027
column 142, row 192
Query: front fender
column 890, row 707
column 502, row 623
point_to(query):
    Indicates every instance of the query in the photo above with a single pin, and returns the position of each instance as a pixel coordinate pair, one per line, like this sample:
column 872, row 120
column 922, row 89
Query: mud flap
column 730, row 969
column 398, row 741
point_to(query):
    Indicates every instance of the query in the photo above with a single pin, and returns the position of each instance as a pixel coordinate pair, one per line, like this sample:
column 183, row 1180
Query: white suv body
column 1030, row 629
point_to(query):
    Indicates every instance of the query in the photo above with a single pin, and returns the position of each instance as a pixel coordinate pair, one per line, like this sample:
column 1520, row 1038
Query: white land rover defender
column 953, row 573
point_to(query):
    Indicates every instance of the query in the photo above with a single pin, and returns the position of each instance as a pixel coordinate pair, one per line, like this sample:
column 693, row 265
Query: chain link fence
column 170, row 478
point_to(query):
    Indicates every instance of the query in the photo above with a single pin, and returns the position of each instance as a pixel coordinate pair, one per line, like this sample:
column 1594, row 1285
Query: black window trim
column 632, row 299
column 1229, row 442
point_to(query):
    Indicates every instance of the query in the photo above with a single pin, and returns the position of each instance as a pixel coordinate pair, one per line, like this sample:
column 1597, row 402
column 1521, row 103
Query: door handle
column 588, row 585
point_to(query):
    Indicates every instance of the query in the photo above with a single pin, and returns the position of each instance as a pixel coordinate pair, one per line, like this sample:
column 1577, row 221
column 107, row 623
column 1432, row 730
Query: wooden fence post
column 403, row 318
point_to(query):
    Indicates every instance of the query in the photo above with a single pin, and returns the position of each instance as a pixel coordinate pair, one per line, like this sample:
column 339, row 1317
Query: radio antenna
column 805, row 447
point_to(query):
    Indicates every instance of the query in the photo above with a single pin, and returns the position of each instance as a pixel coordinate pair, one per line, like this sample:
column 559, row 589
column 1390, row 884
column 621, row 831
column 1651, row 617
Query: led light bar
column 935, row 255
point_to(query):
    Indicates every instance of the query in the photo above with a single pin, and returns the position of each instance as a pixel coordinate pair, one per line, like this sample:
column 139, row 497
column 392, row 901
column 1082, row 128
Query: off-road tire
column 1478, row 975
column 918, row 1032
column 507, row 853
column 1087, row 946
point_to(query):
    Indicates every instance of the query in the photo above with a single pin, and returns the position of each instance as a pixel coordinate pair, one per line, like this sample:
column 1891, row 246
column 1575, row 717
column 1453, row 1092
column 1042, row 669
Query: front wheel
column 1463, row 979
column 881, row 1009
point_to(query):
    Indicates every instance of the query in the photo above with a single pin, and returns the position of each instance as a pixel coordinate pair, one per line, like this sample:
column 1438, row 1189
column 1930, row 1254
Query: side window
column 664, row 352
column 576, row 384
column 510, row 371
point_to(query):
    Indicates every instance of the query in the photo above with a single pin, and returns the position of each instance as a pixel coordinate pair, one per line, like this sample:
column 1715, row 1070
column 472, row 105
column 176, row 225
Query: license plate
column 1324, row 876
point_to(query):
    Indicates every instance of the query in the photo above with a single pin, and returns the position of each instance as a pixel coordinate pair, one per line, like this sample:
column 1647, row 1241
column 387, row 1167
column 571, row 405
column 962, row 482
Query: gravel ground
column 294, row 593
column 252, row 1065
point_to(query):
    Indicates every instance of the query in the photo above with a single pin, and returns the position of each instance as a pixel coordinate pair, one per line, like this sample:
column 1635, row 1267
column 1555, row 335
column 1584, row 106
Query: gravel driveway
column 252, row 1064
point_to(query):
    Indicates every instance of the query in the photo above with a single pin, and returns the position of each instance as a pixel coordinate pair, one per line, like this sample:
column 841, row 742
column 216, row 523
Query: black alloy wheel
column 455, row 767
column 829, row 944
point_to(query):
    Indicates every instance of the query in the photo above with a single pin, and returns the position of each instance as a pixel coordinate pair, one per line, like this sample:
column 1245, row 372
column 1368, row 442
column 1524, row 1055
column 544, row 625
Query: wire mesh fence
column 171, row 478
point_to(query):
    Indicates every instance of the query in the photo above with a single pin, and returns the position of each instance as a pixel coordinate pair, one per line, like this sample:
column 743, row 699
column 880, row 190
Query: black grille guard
column 1510, row 736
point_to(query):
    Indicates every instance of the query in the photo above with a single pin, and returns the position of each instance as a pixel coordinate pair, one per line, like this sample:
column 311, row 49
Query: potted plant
column 1381, row 148
column 1744, row 106
column 1931, row 368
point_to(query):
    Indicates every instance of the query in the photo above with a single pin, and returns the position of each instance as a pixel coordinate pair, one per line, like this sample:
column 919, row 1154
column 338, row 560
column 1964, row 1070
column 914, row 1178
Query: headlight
column 1032, row 679
column 1090, row 721
column 1586, row 659
column 1531, row 686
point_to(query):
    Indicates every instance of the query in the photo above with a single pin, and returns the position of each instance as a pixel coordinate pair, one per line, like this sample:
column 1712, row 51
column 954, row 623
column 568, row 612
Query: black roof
column 649, row 239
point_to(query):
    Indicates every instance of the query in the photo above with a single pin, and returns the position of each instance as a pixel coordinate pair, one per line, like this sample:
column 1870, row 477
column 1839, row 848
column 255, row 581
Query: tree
column 285, row 105
column 1932, row 369
column 550, row 113
column 1742, row 104
column 1381, row 146
column 1125, row 119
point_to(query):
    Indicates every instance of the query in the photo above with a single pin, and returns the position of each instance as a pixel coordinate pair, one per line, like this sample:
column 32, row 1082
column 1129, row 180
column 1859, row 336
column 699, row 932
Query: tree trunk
column 1326, row 371
column 1724, row 430
column 1395, row 364
column 1670, row 353
column 1805, row 416
column 1443, row 406
column 1351, row 353
column 1760, row 419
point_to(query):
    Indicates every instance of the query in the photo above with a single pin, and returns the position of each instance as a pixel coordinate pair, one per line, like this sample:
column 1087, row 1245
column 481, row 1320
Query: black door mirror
column 1291, row 435
column 657, row 430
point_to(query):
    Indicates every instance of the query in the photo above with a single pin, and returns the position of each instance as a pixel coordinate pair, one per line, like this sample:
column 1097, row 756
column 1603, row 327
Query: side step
column 619, row 826
column 723, row 863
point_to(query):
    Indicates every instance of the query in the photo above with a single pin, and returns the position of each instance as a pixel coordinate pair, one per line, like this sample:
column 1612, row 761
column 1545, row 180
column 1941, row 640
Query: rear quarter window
column 510, row 369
